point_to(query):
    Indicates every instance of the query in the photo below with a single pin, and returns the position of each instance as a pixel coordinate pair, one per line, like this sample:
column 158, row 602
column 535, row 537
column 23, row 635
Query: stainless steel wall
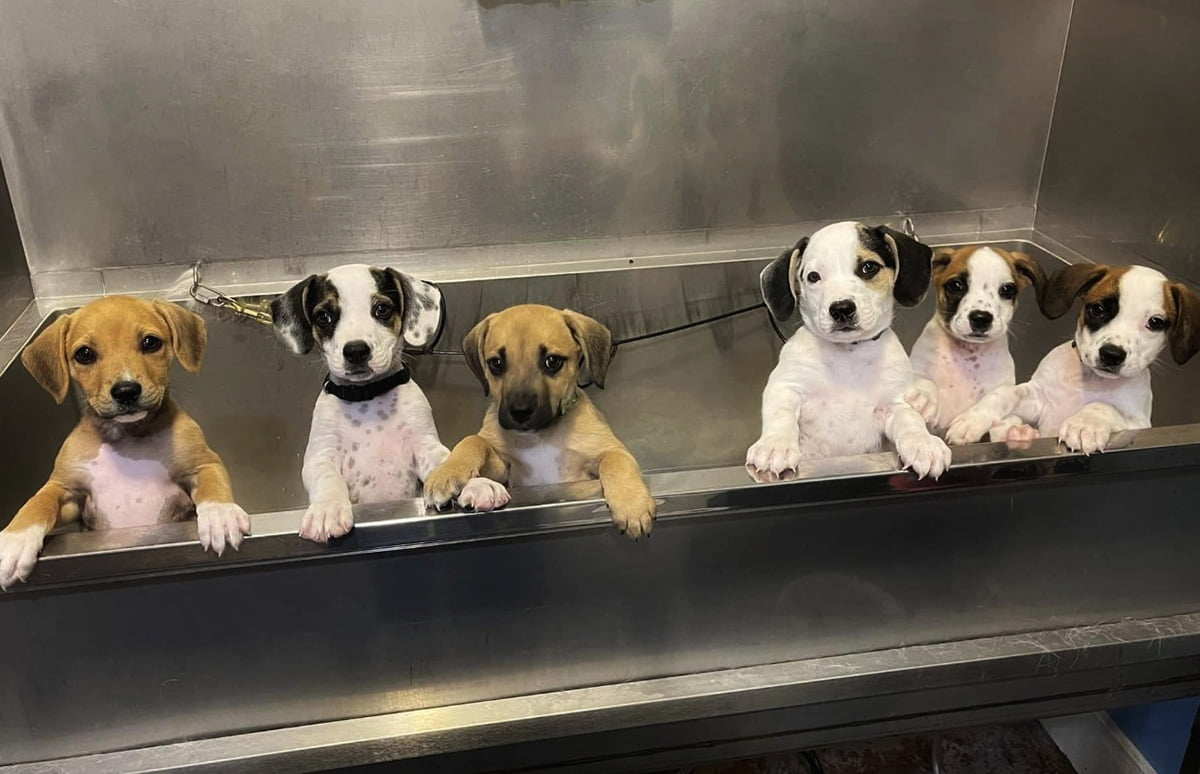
column 140, row 133
column 1122, row 178
column 15, row 290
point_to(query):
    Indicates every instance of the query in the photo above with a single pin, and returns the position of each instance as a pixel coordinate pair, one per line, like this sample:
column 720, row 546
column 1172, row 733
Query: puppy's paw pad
column 773, row 458
column 483, row 494
column 1013, row 433
column 634, row 517
column 221, row 524
column 327, row 519
column 19, row 551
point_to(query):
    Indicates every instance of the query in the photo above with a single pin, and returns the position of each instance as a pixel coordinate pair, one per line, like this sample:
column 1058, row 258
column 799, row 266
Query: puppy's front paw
column 968, row 427
column 1013, row 431
column 19, row 550
column 773, row 458
column 443, row 485
column 483, row 494
column 219, row 524
column 924, row 454
column 923, row 397
column 1083, row 434
column 634, row 515
column 327, row 519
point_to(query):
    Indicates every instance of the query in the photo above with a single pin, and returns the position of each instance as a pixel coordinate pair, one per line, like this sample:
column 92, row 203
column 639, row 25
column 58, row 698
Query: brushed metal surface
column 15, row 289
column 156, row 132
column 1120, row 182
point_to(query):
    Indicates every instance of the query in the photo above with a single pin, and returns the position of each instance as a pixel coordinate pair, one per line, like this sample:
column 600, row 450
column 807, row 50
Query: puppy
column 963, row 351
column 541, row 428
column 840, row 384
column 135, row 458
column 372, row 437
column 1099, row 383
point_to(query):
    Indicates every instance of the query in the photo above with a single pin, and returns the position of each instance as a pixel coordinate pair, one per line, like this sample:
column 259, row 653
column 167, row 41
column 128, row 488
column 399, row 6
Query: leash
column 212, row 297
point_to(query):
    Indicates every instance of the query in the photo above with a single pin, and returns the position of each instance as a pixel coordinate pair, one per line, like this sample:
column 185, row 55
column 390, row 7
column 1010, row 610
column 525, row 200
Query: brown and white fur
column 1097, row 384
column 135, row 458
column 540, row 427
column 963, row 351
column 841, row 381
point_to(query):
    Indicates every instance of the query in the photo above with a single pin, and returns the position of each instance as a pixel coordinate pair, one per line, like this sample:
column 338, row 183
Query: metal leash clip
column 213, row 297
column 909, row 228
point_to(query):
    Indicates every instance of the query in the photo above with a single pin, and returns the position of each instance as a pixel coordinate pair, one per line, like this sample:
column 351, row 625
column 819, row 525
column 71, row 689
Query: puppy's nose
column 520, row 411
column 356, row 352
column 1111, row 356
column 842, row 311
column 126, row 392
column 980, row 321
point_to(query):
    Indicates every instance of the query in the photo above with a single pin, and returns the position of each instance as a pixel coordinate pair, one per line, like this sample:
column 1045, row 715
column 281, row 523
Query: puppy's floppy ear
column 472, row 346
column 941, row 259
column 778, row 281
column 424, row 311
column 189, row 334
column 596, row 342
column 1059, row 292
column 289, row 314
column 1028, row 271
column 914, row 265
column 1185, row 328
column 46, row 358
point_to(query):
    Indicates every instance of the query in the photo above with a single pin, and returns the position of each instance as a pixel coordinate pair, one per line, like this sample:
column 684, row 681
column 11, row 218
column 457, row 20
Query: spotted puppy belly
column 131, row 491
column 378, row 464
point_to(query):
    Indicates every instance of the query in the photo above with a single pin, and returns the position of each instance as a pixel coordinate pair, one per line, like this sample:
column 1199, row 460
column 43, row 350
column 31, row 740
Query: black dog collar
column 876, row 337
column 356, row 393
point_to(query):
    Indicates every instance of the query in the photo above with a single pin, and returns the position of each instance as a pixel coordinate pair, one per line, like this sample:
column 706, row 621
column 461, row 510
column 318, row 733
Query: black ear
column 1028, row 271
column 473, row 351
column 289, row 313
column 596, row 342
column 424, row 312
column 1058, row 293
column 914, row 265
column 778, row 281
column 1185, row 328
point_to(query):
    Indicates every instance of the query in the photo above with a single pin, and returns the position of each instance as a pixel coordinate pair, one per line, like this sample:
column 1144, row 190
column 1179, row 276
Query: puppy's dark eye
column 323, row 319
column 1157, row 323
column 869, row 269
column 382, row 311
column 813, row 277
column 151, row 344
column 1008, row 290
column 496, row 365
column 956, row 285
column 554, row 363
column 85, row 356
column 1096, row 309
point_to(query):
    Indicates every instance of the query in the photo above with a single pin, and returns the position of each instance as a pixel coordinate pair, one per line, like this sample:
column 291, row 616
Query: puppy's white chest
column 376, row 450
column 131, row 487
column 536, row 465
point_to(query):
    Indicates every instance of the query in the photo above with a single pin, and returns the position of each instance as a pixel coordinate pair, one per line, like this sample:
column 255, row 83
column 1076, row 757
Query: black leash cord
column 676, row 329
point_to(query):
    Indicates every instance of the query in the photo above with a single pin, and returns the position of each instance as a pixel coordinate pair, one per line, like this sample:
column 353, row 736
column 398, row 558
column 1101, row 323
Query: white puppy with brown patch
column 373, row 437
column 841, row 381
column 1097, row 384
column 963, row 351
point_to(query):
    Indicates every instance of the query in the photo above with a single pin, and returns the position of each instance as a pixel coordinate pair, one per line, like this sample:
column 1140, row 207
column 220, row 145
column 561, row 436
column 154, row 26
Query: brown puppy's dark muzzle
column 524, row 410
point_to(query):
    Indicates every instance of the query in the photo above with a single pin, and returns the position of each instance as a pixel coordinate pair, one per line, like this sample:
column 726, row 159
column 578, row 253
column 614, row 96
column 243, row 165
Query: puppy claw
column 924, row 400
column 773, row 458
column 1082, row 435
column 442, row 486
column 968, row 427
column 221, row 524
column 327, row 519
column 925, row 455
column 19, row 551
column 634, row 516
column 483, row 494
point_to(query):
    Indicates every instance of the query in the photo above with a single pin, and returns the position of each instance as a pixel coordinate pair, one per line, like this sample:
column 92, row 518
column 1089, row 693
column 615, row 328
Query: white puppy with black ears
column 1097, row 384
column 373, row 437
column 841, row 381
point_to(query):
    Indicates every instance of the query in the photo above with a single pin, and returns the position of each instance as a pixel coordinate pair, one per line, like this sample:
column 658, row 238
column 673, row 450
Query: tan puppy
column 540, row 427
column 135, row 458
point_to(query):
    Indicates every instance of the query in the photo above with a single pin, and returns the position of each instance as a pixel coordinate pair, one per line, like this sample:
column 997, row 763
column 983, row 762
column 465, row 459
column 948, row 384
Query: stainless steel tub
column 853, row 602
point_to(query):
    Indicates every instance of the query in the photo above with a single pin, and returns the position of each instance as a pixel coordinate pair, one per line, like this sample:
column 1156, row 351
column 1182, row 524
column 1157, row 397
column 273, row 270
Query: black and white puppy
column 373, row 437
column 1097, row 384
column 841, row 381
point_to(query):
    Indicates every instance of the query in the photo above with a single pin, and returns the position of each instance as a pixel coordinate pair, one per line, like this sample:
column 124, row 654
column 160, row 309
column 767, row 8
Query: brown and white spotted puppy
column 541, row 428
column 1098, row 383
column 135, row 458
column 963, row 351
column 373, row 438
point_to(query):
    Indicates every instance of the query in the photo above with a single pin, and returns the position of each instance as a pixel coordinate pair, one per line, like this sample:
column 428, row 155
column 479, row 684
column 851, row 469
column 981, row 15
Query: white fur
column 355, row 287
column 537, row 464
column 1068, row 395
column 837, row 392
column 129, row 486
column 19, row 551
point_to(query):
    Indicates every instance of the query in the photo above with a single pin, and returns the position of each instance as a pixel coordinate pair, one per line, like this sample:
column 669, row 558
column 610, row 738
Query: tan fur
column 587, row 447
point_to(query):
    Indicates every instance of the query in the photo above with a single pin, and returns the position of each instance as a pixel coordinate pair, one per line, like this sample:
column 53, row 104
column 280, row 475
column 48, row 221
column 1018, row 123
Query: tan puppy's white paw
column 483, row 494
column 326, row 519
column 19, row 549
column 221, row 524
column 634, row 516
column 773, row 458
column 924, row 454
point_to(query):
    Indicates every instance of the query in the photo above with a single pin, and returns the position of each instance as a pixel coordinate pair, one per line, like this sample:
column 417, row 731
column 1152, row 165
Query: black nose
column 356, row 352
column 1111, row 356
column 520, row 411
column 980, row 321
column 126, row 392
column 842, row 311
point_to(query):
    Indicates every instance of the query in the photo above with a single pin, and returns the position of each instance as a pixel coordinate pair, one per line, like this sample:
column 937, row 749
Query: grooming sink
column 854, row 602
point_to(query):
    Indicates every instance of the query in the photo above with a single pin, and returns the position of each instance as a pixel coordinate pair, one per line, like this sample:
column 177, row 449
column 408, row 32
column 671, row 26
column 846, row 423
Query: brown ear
column 189, row 334
column 596, row 342
column 941, row 258
column 46, row 358
column 1028, row 271
column 1185, row 328
column 1059, row 292
column 473, row 351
